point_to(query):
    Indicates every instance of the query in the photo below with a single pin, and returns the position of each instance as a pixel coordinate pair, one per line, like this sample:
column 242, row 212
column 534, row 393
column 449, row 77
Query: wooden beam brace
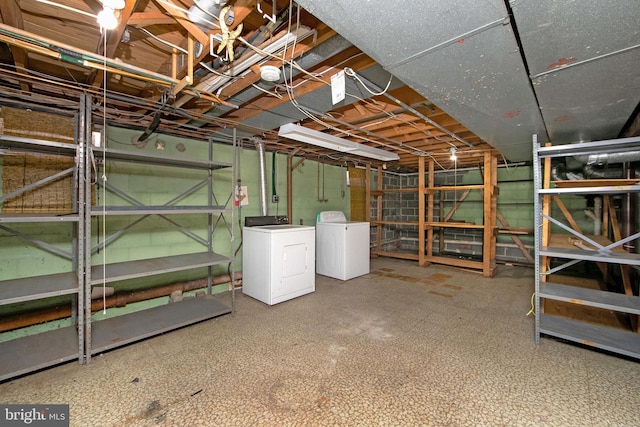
column 515, row 238
column 566, row 213
column 298, row 163
column 455, row 207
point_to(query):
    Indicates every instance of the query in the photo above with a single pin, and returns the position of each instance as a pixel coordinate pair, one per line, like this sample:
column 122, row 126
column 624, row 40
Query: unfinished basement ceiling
column 580, row 80
column 476, row 75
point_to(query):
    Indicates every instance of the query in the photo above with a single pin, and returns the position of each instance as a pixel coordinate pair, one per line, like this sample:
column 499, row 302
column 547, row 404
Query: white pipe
column 597, row 211
column 596, row 215
column 264, row 208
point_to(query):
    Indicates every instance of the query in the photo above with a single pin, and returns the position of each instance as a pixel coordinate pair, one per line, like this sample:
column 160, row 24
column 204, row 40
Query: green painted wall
column 154, row 236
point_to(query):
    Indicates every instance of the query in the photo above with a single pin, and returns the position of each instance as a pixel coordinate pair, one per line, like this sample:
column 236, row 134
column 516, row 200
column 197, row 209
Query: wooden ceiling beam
column 146, row 19
column 11, row 14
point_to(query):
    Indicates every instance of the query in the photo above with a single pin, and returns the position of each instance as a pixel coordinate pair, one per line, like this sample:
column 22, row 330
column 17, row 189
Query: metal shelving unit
column 599, row 250
column 121, row 330
column 33, row 352
column 84, row 338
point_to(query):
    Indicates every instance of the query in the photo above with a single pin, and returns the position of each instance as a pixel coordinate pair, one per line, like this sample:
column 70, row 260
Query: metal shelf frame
column 599, row 336
column 23, row 355
column 131, row 327
column 33, row 352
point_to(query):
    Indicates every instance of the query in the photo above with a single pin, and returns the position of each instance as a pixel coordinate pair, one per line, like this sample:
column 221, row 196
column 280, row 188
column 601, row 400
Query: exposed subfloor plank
column 610, row 339
column 33, row 352
column 122, row 330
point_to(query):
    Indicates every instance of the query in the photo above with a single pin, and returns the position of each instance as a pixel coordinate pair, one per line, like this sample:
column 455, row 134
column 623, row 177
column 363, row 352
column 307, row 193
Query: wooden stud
column 421, row 218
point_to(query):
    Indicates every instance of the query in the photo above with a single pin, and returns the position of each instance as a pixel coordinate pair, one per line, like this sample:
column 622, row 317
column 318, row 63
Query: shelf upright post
column 210, row 215
column 234, row 180
column 83, row 132
column 537, row 209
column 77, row 299
column 85, row 221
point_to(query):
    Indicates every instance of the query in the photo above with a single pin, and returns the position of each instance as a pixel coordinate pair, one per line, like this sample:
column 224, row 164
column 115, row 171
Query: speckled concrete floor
column 402, row 346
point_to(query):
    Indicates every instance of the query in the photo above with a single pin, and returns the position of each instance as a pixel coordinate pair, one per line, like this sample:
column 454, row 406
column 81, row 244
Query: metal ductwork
column 201, row 11
column 593, row 172
column 608, row 158
column 561, row 172
column 264, row 208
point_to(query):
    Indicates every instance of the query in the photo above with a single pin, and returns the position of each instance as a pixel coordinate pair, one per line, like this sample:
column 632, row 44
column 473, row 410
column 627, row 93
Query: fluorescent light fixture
column 313, row 137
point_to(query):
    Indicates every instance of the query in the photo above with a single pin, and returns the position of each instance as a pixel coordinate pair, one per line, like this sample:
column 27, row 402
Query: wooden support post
column 605, row 215
column 190, row 59
column 490, row 207
column 617, row 235
column 421, row 218
column 174, row 64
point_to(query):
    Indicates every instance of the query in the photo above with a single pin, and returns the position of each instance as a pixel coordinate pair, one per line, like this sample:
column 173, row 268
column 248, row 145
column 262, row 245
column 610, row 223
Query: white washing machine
column 342, row 247
column 278, row 262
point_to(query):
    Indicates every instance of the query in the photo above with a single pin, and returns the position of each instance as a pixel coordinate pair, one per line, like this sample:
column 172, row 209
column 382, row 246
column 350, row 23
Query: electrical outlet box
column 275, row 198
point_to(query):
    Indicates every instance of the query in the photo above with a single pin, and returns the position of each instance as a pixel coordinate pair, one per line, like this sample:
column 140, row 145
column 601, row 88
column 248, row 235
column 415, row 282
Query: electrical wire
column 349, row 72
column 276, row 94
column 532, row 310
column 153, row 36
column 72, row 9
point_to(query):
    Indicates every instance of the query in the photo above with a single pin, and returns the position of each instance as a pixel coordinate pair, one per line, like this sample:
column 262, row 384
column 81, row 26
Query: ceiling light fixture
column 453, row 151
column 107, row 17
column 320, row 139
column 269, row 73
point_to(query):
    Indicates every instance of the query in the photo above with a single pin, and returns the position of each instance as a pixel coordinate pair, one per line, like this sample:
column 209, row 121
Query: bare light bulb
column 107, row 19
column 453, row 151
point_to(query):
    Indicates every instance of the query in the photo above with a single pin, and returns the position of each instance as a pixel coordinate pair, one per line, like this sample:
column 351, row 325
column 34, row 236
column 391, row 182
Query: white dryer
column 342, row 247
column 278, row 262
